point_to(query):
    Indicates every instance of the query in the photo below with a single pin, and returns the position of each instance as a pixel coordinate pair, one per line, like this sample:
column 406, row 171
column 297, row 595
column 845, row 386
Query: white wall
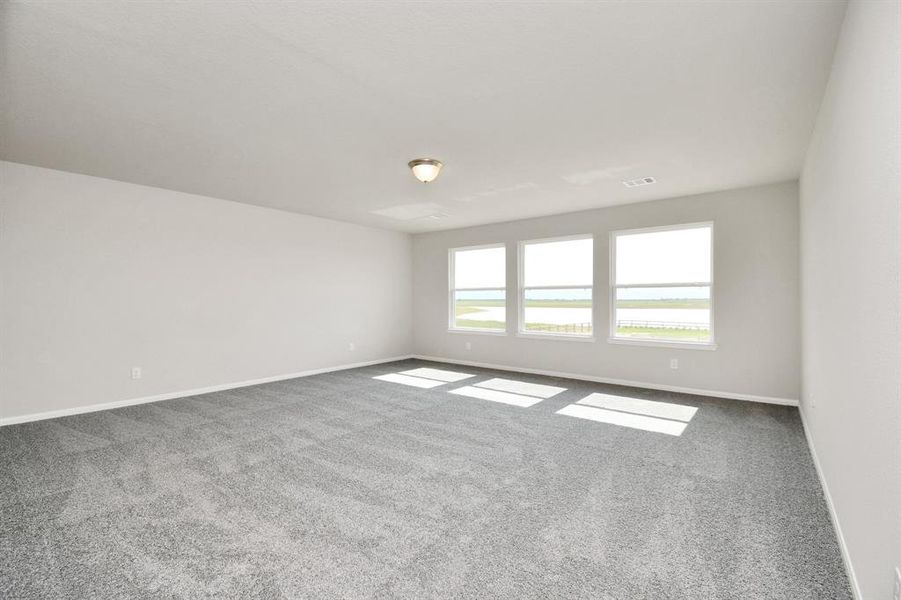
column 99, row 276
column 756, row 296
column 851, row 267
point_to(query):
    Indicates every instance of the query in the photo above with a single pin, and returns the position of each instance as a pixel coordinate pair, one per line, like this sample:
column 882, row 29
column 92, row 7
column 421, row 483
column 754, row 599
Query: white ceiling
column 535, row 108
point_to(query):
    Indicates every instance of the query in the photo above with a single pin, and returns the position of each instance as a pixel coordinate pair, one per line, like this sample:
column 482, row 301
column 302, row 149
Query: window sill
column 663, row 344
column 476, row 331
column 556, row 336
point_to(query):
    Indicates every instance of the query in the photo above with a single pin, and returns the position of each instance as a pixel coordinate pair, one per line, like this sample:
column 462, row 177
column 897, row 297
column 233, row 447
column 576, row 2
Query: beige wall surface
column 755, row 295
column 851, row 292
column 99, row 276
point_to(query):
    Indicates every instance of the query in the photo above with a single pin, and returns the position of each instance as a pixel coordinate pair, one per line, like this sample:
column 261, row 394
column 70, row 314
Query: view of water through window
column 662, row 284
column 664, row 313
column 558, row 310
column 482, row 309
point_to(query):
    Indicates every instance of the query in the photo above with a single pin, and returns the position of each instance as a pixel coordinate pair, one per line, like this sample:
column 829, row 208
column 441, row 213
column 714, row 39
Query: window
column 555, row 286
column 478, row 288
column 661, row 284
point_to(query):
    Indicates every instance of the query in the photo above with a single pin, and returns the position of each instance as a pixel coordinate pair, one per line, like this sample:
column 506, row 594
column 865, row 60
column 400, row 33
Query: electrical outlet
column 136, row 372
column 351, row 346
column 896, row 594
column 811, row 399
column 469, row 345
column 674, row 363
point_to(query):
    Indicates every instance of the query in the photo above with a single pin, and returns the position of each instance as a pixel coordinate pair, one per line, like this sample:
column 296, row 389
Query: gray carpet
column 341, row 486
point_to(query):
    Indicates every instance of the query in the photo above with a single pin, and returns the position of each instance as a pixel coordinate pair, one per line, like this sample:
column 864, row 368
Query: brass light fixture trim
column 425, row 169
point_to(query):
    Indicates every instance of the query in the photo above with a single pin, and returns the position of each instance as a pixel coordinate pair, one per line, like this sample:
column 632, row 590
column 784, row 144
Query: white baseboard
column 638, row 384
column 181, row 394
column 227, row 386
column 846, row 558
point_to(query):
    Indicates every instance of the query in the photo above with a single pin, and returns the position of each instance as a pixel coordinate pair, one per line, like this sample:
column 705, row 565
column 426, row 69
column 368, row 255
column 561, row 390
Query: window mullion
column 662, row 285
column 581, row 286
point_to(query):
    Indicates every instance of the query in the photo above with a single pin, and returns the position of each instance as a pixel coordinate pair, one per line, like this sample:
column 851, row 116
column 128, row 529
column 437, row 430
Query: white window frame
column 613, row 339
column 451, row 282
column 521, row 280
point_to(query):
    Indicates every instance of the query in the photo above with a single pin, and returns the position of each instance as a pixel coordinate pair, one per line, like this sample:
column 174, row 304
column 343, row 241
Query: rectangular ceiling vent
column 640, row 181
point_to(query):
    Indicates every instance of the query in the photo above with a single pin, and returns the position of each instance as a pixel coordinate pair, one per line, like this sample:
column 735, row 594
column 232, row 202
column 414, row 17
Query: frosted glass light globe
column 425, row 169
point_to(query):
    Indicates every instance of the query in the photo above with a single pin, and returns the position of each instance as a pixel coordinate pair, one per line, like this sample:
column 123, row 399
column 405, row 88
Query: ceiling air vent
column 639, row 181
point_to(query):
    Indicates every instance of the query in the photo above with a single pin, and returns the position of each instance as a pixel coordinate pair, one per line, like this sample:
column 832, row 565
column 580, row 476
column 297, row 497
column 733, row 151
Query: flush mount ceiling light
column 425, row 169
